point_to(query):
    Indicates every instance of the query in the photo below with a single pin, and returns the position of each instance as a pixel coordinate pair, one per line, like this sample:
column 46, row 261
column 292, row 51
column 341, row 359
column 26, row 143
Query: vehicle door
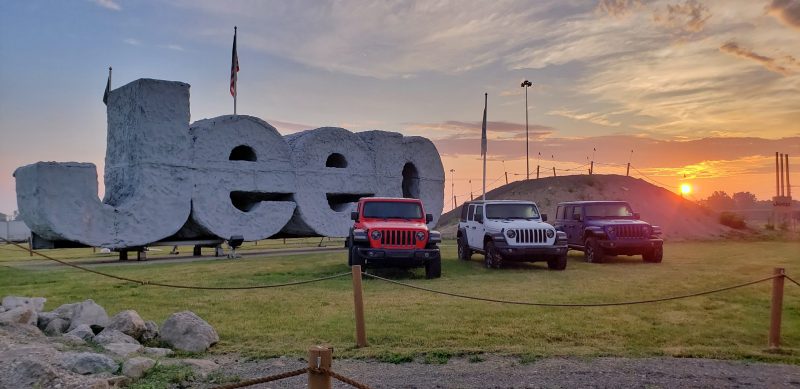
column 475, row 232
column 575, row 216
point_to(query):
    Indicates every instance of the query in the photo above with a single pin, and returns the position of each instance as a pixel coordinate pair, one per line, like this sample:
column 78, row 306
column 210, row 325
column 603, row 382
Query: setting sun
column 686, row 189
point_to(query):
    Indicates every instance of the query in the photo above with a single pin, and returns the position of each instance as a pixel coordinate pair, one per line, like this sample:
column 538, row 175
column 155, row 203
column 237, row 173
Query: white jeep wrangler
column 509, row 230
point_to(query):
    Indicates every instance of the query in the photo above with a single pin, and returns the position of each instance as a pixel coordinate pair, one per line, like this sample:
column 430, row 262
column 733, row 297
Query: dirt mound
column 679, row 219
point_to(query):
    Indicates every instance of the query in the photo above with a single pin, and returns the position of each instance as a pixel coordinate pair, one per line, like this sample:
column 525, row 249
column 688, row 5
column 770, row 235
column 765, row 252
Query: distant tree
column 744, row 200
column 719, row 200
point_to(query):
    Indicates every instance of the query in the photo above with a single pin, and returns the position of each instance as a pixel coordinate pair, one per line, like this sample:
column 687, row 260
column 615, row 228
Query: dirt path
column 507, row 372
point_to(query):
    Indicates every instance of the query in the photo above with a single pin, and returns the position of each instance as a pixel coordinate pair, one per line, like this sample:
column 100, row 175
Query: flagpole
column 485, row 151
column 109, row 75
column 236, row 79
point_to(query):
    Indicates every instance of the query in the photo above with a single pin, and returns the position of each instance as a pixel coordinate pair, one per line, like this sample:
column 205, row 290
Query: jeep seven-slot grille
column 398, row 238
column 630, row 232
column 534, row 235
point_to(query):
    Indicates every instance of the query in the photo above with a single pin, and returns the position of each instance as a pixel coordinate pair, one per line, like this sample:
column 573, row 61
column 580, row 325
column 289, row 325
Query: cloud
column 618, row 8
column 172, row 47
column 592, row 117
column 458, row 130
column 289, row 127
column 687, row 18
column 769, row 63
column 108, row 4
column 787, row 11
column 133, row 42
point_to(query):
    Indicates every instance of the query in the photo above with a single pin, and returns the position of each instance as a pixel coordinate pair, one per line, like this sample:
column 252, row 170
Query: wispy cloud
column 172, row 46
column 790, row 64
column 787, row 11
column 108, row 4
column 618, row 8
column 133, row 42
column 591, row 117
column 687, row 18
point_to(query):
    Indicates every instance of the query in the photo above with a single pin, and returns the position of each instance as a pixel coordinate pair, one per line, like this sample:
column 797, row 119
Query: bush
column 732, row 220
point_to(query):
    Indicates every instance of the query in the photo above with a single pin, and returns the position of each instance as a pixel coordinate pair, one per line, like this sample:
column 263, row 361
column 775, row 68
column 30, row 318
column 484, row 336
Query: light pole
column 453, row 185
column 525, row 84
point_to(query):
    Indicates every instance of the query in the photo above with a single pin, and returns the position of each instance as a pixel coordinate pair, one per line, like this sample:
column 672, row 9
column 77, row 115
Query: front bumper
column 633, row 246
column 530, row 253
column 397, row 257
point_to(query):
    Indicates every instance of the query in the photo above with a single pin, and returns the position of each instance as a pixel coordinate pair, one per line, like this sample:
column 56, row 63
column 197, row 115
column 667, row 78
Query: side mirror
column 576, row 217
column 479, row 218
column 428, row 218
column 637, row 216
column 354, row 215
column 544, row 217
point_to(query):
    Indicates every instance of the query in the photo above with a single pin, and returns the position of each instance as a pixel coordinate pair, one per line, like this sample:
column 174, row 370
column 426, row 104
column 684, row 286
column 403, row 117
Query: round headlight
column 610, row 230
column 420, row 235
column 511, row 234
column 375, row 234
column 550, row 233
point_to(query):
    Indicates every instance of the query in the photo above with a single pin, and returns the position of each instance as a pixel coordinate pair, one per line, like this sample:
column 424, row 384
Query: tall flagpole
column 485, row 151
column 236, row 77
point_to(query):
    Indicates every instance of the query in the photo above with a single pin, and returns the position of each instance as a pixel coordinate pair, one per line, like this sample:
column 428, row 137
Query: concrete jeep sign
column 167, row 179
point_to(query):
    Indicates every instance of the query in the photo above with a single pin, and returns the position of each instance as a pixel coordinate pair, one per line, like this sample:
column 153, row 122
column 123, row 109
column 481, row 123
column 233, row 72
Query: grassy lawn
column 403, row 323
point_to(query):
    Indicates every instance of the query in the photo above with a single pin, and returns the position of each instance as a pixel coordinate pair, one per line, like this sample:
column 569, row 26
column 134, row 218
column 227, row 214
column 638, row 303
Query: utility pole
column 525, row 84
column 453, row 185
column 628, row 172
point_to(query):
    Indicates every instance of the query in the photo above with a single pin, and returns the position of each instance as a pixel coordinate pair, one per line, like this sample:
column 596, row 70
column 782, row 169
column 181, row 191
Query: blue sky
column 672, row 79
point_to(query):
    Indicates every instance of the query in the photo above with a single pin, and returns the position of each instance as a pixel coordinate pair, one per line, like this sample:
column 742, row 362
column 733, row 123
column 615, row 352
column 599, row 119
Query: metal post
column 776, row 309
column 777, row 176
column 527, row 142
column 788, row 186
column 30, row 245
column 358, row 302
column 123, row 255
column 783, row 188
column 319, row 357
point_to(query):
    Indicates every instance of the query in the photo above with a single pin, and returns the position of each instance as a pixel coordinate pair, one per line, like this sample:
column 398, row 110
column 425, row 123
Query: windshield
column 608, row 210
column 392, row 210
column 511, row 211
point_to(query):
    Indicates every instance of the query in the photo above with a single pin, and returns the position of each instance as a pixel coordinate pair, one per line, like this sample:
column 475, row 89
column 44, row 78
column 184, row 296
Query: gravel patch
column 507, row 372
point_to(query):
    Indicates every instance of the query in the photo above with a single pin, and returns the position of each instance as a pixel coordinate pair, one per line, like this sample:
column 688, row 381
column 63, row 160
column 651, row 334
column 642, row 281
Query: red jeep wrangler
column 392, row 232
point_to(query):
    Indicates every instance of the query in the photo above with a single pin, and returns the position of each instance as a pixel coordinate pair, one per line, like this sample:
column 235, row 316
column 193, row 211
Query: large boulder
column 56, row 327
column 136, row 367
column 82, row 331
column 129, row 323
column 88, row 312
column 11, row 302
column 88, row 363
column 122, row 350
column 20, row 315
column 188, row 332
column 150, row 331
column 44, row 319
column 113, row 336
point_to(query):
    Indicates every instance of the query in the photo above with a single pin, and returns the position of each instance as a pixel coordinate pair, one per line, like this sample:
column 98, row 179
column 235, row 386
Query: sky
column 688, row 91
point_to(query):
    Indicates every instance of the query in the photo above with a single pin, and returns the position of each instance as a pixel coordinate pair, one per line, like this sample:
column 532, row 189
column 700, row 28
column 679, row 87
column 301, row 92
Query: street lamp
column 525, row 84
column 453, row 185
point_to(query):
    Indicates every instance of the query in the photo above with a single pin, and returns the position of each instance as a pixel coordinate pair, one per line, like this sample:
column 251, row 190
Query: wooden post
column 358, row 302
column 507, row 177
column 628, row 171
column 537, row 171
column 30, row 245
column 319, row 357
column 554, row 171
column 776, row 309
column 591, row 168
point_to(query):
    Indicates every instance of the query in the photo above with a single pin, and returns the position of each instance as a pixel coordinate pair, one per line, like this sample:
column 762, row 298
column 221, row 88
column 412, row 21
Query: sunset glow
column 686, row 189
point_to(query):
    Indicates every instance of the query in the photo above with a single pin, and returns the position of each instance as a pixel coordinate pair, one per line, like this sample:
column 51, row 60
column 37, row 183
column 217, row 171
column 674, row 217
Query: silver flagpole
column 486, row 150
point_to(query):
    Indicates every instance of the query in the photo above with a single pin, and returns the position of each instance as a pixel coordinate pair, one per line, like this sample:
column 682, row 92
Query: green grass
column 405, row 324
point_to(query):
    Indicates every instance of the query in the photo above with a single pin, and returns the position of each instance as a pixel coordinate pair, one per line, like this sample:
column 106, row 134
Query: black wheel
column 592, row 252
column 490, row 257
column 464, row 253
column 557, row 263
column 433, row 269
column 654, row 255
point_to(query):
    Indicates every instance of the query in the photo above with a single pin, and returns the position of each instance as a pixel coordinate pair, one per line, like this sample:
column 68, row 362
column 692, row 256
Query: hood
column 616, row 222
column 396, row 224
column 498, row 224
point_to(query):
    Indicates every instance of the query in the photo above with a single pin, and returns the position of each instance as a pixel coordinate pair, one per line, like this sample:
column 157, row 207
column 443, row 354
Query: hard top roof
column 497, row 201
column 390, row 199
column 589, row 202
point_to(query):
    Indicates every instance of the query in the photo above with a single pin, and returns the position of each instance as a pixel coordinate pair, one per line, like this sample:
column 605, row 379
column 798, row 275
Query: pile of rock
column 71, row 328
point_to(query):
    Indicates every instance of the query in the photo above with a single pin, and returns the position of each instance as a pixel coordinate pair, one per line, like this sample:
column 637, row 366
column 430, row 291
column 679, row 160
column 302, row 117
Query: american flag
column 234, row 65
column 483, row 127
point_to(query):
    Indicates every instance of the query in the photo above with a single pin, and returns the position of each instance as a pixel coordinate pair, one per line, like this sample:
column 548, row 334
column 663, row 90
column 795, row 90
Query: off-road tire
column 490, row 257
column 433, row 269
column 654, row 255
column 557, row 263
column 592, row 252
column 464, row 252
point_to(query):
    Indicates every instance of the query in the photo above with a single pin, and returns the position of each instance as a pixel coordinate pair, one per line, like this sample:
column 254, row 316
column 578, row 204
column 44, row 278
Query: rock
column 113, row 336
column 73, row 340
column 20, row 315
column 136, row 367
column 56, row 327
column 88, row 363
column 82, row 331
column 11, row 302
column 28, row 373
column 44, row 319
column 128, row 322
column 88, row 312
column 65, row 311
column 118, row 381
column 157, row 352
column 188, row 332
column 122, row 350
column 150, row 331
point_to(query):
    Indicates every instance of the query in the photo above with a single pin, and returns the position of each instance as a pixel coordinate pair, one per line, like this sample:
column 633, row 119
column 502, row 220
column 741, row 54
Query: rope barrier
column 294, row 373
column 791, row 279
column 174, row 286
column 339, row 377
column 621, row 303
